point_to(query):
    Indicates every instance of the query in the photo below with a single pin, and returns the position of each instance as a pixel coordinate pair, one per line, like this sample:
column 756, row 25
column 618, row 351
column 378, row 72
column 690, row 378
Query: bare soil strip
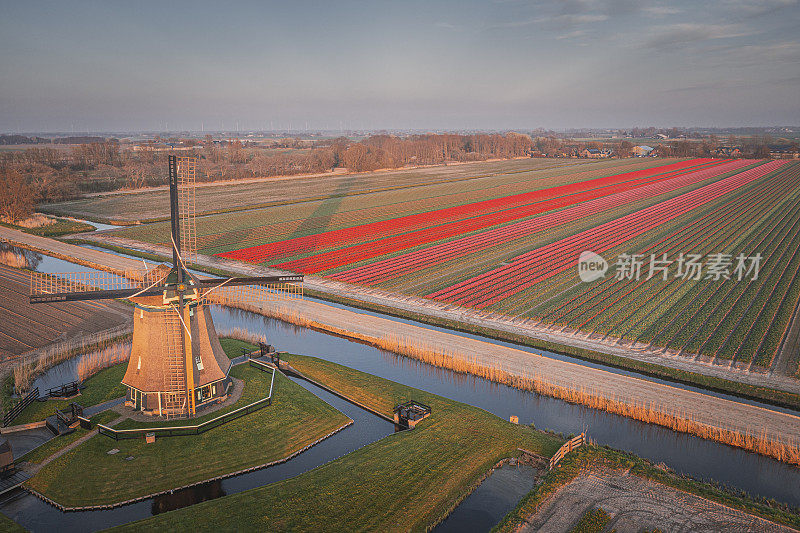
column 25, row 327
column 636, row 504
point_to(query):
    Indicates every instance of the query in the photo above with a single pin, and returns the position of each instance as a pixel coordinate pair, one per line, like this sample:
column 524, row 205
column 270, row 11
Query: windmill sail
column 177, row 362
column 46, row 287
column 187, row 206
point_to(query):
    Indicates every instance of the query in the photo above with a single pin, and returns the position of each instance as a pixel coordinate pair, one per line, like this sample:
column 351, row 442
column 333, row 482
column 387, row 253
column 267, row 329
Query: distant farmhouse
column 728, row 151
column 783, row 152
column 594, row 153
column 641, row 150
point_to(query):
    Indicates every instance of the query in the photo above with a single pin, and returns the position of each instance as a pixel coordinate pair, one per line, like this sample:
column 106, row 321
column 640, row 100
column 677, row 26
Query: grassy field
column 39, row 454
column 295, row 419
column 62, row 227
column 102, row 387
column 9, row 526
column 406, row 481
column 154, row 204
column 233, row 347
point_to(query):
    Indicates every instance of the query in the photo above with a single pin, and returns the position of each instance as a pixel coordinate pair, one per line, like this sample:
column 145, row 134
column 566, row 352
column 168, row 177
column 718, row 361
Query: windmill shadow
column 319, row 221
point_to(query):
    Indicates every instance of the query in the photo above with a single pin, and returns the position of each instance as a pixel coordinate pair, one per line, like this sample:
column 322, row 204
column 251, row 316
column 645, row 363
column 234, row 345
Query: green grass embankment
column 102, row 387
column 409, row 480
column 40, row 453
column 295, row 419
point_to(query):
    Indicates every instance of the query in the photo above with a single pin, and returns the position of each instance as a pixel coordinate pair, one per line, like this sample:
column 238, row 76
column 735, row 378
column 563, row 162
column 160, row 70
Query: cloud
column 572, row 34
column 676, row 35
column 661, row 11
column 762, row 54
column 756, row 8
column 518, row 23
column 446, row 25
column 577, row 20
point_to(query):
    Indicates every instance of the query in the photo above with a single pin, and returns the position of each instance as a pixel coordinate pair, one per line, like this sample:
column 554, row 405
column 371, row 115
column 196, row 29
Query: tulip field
column 510, row 243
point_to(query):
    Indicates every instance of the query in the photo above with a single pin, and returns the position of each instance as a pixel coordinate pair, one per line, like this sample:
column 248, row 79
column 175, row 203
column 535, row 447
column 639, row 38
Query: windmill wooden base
column 161, row 378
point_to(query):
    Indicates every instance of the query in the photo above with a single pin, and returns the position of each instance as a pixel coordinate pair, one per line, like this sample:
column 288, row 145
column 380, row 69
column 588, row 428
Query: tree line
column 54, row 175
column 44, row 174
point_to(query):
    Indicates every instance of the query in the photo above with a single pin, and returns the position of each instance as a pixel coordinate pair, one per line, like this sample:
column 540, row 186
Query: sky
column 430, row 65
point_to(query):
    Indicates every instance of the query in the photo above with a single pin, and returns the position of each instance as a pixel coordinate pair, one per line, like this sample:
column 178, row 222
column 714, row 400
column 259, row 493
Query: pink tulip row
column 530, row 268
column 420, row 259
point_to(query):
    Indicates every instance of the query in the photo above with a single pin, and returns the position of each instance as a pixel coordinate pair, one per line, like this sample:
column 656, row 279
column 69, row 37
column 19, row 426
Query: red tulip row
column 472, row 216
column 547, row 261
column 419, row 259
column 397, row 243
column 237, row 231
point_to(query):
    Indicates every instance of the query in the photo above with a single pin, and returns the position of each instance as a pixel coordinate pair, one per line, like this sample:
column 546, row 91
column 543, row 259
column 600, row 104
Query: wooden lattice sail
column 177, row 363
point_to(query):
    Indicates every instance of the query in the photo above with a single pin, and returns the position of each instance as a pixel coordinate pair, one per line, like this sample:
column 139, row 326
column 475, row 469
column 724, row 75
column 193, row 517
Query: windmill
column 177, row 364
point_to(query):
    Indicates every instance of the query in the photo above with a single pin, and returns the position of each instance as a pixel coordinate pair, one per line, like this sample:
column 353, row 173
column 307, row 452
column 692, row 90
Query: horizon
column 400, row 132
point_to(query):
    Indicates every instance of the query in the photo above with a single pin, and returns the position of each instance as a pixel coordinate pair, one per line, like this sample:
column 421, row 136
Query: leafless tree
column 16, row 197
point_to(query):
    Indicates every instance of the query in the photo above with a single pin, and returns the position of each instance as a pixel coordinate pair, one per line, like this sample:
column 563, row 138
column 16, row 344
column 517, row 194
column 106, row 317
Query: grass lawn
column 597, row 457
column 233, row 347
column 61, row 227
column 256, row 387
column 6, row 524
column 295, row 419
column 102, row 387
column 406, row 481
column 40, row 453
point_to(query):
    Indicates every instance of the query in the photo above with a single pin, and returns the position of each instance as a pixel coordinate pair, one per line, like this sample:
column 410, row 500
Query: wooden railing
column 571, row 444
column 14, row 412
column 176, row 431
column 64, row 391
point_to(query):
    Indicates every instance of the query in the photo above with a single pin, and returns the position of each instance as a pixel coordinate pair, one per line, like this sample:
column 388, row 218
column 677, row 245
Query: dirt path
column 33, row 469
column 635, row 504
column 523, row 327
column 703, row 408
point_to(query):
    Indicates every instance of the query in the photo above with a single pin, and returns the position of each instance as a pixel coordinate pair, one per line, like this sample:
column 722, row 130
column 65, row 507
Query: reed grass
column 37, row 220
column 98, row 360
column 28, row 367
column 243, row 335
column 786, row 450
column 13, row 259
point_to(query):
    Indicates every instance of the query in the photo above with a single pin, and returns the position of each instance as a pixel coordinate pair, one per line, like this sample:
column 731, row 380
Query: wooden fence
column 571, row 444
column 14, row 412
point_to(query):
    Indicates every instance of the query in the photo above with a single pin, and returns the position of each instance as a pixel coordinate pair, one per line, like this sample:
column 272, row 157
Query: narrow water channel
column 491, row 501
column 699, row 458
column 693, row 456
column 36, row 515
